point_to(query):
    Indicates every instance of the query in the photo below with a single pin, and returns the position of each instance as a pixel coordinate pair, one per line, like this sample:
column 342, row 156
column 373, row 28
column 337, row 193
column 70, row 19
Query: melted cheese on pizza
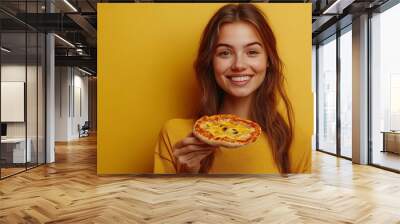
column 229, row 129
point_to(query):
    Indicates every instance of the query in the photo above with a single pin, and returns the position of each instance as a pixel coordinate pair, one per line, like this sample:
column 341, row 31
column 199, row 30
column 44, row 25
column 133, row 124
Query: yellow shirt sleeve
column 163, row 159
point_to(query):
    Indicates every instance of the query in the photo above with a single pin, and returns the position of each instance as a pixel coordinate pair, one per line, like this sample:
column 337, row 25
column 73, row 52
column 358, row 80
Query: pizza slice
column 226, row 130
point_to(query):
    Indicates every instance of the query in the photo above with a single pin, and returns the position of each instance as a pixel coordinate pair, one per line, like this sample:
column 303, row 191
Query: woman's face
column 240, row 60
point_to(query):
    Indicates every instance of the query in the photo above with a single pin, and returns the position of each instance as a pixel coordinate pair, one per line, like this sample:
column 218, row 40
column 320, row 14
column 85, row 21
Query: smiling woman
column 240, row 73
column 240, row 61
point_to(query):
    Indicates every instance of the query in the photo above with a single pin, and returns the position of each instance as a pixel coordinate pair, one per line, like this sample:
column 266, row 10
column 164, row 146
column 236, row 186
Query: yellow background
column 145, row 74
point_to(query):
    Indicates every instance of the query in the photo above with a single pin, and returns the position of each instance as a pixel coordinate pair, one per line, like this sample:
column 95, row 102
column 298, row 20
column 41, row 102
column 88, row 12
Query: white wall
column 62, row 80
column 16, row 73
column 80, row 111
column 71, row 94
column 12, row 73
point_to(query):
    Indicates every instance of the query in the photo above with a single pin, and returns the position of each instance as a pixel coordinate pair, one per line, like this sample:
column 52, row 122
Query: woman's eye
column 252, row 53
column 224, row 53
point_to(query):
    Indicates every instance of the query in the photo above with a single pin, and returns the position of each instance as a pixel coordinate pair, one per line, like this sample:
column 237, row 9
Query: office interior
column 49, row 86
column 46, row 81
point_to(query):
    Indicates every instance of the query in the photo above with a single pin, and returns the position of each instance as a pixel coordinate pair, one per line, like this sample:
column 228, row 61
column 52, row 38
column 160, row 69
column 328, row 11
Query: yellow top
column 254, row 158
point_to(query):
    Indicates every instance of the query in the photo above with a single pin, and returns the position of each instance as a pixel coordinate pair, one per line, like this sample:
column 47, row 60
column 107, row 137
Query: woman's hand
column 190, row 151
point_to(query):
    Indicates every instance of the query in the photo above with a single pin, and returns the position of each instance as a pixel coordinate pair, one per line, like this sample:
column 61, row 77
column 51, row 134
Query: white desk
column 18, row 150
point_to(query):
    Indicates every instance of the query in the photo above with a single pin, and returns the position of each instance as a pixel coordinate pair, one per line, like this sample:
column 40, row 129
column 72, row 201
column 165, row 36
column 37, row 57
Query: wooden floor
column 5, row 172
column 69, row 191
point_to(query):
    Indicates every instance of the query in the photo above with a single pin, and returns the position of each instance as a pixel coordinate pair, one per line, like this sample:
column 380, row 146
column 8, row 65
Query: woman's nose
column 238, row 64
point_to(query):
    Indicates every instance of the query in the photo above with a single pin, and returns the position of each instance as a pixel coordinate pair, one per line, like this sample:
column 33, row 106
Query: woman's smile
column 239, row 80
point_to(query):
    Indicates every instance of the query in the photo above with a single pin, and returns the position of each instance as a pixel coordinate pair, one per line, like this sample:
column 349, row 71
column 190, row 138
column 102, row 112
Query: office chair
column 84, row 130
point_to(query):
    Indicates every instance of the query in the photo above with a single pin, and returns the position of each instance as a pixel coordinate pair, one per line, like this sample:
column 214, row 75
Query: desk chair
column 84, row 130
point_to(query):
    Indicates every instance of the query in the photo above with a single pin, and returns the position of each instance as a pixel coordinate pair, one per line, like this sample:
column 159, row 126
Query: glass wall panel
column 32, row 86
column 32, row 95
column 385, row 89
column 22, row 88
column 41, row 98
column 14, row 153
column 327, row 96
column 346, row 94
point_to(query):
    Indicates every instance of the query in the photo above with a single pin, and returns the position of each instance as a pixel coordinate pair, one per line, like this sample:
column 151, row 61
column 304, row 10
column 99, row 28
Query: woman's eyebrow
column 230, row 46
column 253, row 43
column 223, row 45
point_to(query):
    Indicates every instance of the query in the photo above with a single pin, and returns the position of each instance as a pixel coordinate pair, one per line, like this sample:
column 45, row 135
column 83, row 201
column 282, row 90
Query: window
column 385, row 88
column 327, row 96
column 346, row 93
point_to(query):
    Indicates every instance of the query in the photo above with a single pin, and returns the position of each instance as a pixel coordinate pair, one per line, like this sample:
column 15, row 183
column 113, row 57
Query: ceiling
column 76, row 22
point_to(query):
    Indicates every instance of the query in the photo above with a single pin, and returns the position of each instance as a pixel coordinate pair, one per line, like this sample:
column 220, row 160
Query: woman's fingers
column 190, row 141
column 198, row 154
column 193, row 159
column 190, row 149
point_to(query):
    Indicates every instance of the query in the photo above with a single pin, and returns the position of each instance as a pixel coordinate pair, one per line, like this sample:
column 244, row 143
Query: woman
column 239, row 72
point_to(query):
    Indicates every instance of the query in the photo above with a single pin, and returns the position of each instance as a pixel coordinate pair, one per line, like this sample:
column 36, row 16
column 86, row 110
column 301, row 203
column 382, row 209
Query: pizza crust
column 226, row 130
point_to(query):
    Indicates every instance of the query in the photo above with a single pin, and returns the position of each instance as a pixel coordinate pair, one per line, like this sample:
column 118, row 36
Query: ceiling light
column 84, row 71
column 65, row 41
column 70, row 5
column 79, row 51
column 337, row 7
column 5, row 50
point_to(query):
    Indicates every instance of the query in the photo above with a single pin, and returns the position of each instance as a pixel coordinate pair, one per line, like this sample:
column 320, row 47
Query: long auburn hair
column 268, row 97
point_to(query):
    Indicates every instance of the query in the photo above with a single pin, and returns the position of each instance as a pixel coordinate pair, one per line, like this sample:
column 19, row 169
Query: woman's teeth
column 240, row 78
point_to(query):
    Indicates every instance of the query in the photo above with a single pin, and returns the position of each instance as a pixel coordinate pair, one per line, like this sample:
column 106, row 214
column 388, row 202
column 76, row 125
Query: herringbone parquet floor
column 69, row 191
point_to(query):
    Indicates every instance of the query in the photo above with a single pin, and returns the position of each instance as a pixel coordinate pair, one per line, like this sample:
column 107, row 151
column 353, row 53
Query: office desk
column 13, row 150
column 391, row 141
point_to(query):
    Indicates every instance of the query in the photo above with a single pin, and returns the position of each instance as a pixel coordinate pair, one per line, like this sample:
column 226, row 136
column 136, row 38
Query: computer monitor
column 3, row 129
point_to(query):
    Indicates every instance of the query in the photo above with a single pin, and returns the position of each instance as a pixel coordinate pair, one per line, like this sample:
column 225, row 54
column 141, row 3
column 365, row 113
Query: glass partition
column 14, row 153
column 346, row 93
column 41, row 107
column 385, row 89
column 327, row 96
column 32, row 95
column 22, row 88
column 33, row 84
